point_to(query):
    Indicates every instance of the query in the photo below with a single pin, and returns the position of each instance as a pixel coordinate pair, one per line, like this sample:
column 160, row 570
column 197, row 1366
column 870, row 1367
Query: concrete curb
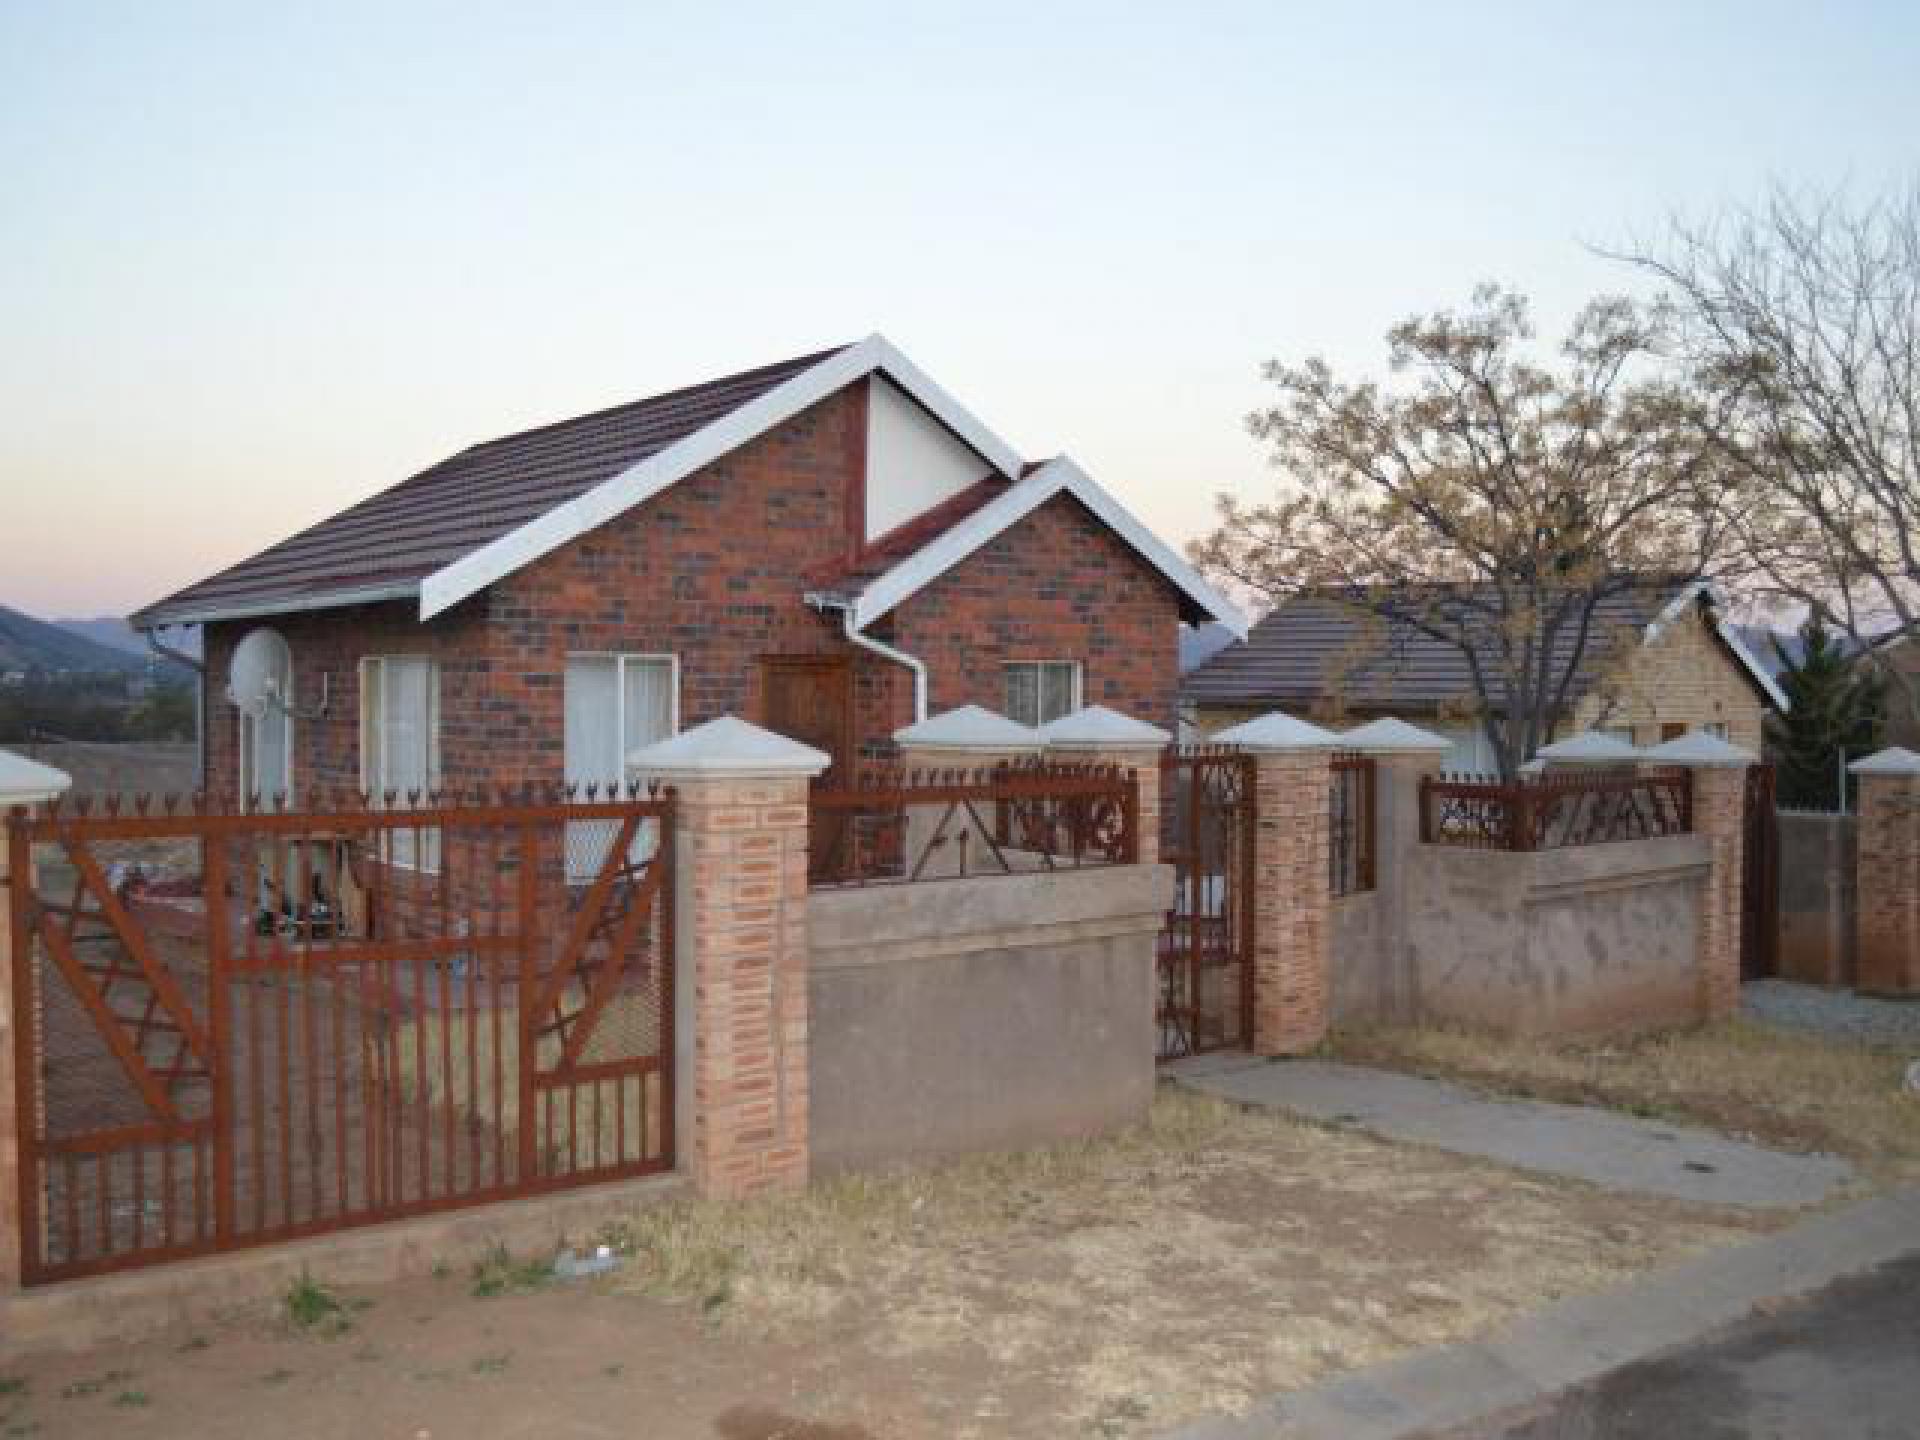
column 1576, row 1340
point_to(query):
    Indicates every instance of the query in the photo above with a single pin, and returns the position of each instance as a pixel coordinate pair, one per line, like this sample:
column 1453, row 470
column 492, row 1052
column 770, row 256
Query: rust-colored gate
column 237, row 1028
column 1205, row 995
column 1760, row 880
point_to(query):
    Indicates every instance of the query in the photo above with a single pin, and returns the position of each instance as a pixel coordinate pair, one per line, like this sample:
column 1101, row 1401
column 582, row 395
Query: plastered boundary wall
column 1575, row 941
column 975, row 1014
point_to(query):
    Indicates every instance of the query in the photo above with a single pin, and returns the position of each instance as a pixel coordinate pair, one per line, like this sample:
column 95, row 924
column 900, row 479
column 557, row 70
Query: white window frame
column 372, row 692
column 1076, row 692
column 646, row 839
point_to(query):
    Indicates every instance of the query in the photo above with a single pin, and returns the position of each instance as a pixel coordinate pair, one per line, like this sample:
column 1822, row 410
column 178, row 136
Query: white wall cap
column 1095, row 727
column 1589, row 747
column 1895, row 760
column 27, row 782
column 728, row 746
column 1392, row 736
column 971, row 727
column 1700, row 751
column 1278, row 731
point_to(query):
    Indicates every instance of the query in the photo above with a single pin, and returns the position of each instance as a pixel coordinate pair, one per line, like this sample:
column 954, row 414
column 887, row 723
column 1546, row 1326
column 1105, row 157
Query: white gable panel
column 913, row 461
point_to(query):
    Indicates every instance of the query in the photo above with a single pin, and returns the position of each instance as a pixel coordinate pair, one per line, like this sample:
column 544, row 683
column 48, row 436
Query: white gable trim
column 499, row 558
column 1056, row 477
column 1748, row 660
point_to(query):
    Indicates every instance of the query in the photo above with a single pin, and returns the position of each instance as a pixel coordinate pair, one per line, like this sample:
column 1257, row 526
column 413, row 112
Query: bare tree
column 1489, row 502
column 1801, row 320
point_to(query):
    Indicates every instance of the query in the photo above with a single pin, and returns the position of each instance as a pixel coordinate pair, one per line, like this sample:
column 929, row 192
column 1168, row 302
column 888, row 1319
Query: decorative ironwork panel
column 238, row 1028
column 1205, row 955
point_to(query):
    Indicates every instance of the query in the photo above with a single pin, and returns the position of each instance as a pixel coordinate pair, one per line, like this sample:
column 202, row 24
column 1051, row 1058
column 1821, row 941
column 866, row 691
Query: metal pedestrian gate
column 238, row 1028
column 1205, row 992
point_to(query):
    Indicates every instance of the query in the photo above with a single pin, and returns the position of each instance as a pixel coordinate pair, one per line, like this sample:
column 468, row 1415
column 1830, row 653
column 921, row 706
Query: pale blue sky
column 255, row 266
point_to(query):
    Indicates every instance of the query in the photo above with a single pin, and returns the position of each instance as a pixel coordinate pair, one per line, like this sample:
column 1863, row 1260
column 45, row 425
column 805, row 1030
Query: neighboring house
column 1663, row 661
column 1899, row 656
column 825, row 546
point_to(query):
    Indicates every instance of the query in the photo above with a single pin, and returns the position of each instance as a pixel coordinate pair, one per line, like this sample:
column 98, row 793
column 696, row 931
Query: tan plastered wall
column 1560, row 942
column 972, row 1014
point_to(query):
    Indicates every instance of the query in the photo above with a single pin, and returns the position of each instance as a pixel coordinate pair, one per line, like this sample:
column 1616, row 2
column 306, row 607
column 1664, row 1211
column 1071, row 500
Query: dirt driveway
column 1105, row 1289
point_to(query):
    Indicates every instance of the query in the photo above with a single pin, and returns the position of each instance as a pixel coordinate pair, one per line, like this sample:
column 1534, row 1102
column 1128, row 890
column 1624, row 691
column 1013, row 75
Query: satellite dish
column 261, row 672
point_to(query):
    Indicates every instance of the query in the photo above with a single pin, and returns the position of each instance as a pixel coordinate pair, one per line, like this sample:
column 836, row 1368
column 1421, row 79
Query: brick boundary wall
column 1888, row 870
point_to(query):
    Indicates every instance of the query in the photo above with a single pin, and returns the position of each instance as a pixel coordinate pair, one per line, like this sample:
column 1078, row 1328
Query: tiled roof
column 1317, row 645
column 389, row 541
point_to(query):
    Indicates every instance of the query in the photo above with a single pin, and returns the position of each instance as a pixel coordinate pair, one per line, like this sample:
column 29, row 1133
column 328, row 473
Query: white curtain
column 614, row 705
column 402, row 709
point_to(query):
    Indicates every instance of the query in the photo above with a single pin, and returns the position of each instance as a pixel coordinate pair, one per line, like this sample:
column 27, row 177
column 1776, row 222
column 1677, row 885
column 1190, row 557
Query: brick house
column 829, row 546
column 1662, row 660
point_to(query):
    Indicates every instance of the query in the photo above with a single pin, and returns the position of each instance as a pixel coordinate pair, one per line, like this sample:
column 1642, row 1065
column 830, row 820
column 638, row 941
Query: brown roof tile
column 406, row 532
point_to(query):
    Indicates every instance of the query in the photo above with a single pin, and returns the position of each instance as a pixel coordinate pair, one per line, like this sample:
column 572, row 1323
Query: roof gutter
column 199, row 668
column 850, row 628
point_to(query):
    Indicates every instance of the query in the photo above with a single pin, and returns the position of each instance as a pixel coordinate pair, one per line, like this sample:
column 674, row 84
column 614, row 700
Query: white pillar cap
column 27, row 782
column 1391, row 736
column 1278, row 732
column 1095, row 727
column 1698, row 750
column 1895, row 760
column 1590, row 747
column 728, row 748
column 971, row 727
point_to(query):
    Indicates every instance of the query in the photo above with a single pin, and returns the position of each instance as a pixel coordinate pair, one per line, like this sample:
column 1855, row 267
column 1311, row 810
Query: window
column 1716, row 729
column 400, row 744
column 1042, row 690
column 614, row 705
column 1672, row 730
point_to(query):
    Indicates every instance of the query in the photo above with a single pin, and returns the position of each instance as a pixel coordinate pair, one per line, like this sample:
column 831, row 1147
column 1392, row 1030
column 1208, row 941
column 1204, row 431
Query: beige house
column 1662, row 661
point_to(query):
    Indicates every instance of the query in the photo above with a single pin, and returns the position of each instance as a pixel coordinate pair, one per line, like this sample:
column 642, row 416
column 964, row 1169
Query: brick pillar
column 1096, row 735
column 1292, row 920
column 741, row 952
column 1888, row 871
column 1719, row 814
column 23, row 782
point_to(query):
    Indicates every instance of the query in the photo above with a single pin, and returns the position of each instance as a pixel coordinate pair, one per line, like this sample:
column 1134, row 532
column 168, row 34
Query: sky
column 260, row 261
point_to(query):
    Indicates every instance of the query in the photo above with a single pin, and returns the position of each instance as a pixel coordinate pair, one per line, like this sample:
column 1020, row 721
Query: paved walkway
column 1603, row 1147
column 1577, row 1341
column 1839, row 1013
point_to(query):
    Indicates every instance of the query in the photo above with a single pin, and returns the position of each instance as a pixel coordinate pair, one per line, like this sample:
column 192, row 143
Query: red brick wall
column 1057, row 586
column 709, row 571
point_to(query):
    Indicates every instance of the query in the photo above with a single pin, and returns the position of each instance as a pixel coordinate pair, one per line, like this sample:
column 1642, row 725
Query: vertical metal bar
column 445, row 849
column 336, row 989
column 137, row 1157
column 666, row 961
column 529, row 938
column 281, row 958
column 213, row 869
column 304, row 999
column 23, row 907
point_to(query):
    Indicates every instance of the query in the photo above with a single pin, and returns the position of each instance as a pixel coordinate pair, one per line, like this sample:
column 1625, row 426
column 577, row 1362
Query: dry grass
column 1183, row 1267
column 1782, row 1088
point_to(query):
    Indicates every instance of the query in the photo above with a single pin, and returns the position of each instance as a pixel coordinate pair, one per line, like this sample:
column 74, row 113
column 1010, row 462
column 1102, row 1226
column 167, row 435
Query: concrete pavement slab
column 1602, row 1147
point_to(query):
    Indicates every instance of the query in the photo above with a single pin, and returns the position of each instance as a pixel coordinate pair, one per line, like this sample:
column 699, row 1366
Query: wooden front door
column 809, row 698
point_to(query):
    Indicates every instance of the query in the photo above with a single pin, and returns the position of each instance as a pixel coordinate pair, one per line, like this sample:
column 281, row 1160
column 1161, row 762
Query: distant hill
column 43, row 647
column 111, row 630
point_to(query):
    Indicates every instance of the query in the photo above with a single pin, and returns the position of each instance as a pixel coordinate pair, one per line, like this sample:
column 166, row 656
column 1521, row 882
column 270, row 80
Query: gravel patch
column 1833, row 1012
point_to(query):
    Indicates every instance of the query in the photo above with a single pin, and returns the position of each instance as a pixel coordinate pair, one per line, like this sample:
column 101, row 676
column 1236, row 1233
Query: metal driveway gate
column 242, row 1028
column 1205, row 993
